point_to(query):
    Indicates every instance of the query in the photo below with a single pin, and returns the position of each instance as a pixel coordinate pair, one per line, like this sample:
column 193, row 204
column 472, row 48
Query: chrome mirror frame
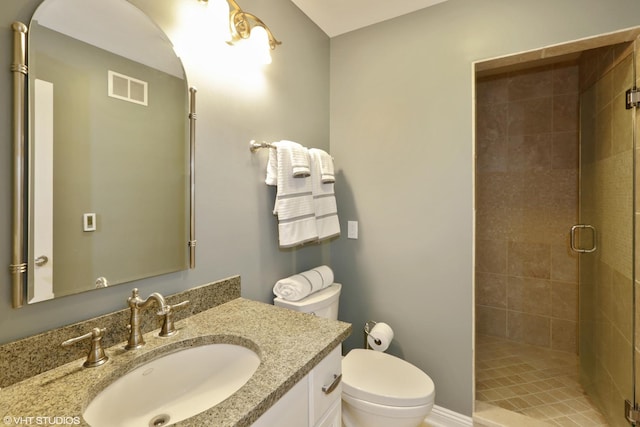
column 18, row 266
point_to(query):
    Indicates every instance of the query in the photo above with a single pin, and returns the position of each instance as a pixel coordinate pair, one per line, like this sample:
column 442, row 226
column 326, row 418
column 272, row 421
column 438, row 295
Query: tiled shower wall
column 526, row 201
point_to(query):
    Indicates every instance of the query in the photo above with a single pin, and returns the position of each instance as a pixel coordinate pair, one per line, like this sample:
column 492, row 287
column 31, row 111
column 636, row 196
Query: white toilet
column 378, row 389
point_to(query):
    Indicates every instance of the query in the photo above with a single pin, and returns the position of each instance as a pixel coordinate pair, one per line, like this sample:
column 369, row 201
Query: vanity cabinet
column 307, row 404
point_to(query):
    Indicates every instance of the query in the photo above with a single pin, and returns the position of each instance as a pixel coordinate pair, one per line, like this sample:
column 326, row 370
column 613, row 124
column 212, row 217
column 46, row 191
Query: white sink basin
column 173, row 387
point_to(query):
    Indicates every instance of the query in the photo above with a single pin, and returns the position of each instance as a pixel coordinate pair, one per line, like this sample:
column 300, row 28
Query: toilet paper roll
column 383, row 334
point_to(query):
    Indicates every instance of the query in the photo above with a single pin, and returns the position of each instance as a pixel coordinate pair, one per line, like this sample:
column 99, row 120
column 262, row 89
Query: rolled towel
column 299, row 286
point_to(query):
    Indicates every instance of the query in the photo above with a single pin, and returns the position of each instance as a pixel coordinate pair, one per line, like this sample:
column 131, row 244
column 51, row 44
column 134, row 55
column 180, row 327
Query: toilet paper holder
column 368, row 325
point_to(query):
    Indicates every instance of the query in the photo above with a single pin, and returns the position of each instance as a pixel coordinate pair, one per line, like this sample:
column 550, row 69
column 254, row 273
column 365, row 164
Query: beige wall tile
column 563, row 335
column 491, row 155
column 491, row 256
column 491, row 290
column 622, row 304
column 528, row 295
column 564, row 153
column 529, row 152
column 564, row 301
column 603, row 132
column 492, row 90
column 604, row 91
column 529, row 260
column 564, row 263
column 566, row 78
column 620, row 363
column 529, row 328
column 492, row 121
column 622, row 75
column 530, row 116
column 529, row 226
column 496, row 190
column 531, row 83
column 492, row 224
column 564, row 190
column 622, row 126
column 491, row 321
column 565, row 113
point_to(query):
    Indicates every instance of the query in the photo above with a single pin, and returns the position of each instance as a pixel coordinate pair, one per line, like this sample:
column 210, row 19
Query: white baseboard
column 443, row 417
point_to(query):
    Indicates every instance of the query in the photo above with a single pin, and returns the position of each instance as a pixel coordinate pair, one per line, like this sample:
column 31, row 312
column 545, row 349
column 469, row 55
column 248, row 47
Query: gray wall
column 236, row 231
column 402, row 128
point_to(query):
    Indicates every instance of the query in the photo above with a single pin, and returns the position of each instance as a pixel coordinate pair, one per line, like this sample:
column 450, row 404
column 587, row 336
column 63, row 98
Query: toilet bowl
column 378, row 389
column 381, row 390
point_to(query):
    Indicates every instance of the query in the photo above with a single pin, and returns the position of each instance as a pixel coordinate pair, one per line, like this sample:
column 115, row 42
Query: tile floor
column 533, row 381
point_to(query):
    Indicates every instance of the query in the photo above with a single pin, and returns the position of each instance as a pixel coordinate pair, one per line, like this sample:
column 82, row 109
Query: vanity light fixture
column 241, row 24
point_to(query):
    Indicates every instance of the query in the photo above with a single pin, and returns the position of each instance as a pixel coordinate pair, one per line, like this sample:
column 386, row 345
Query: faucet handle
column 96, row 355
column 168, row 327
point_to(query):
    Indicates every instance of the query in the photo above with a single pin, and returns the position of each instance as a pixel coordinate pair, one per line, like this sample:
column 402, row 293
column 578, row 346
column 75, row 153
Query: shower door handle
column 573, row 238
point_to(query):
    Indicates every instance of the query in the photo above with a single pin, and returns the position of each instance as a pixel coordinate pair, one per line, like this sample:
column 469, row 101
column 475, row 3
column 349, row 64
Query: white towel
column 299, row 159
column 324, row 199
column 272, row 166
column 298, row 286
column 326, row 166
column 294, row 204
column 300, row 167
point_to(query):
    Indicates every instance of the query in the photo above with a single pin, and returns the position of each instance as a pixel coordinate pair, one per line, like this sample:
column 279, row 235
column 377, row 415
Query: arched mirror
column 109, row 151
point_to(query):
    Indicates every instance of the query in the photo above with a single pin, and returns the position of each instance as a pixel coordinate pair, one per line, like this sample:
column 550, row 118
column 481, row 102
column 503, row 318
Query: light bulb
column 258, row 46
column 219, row 12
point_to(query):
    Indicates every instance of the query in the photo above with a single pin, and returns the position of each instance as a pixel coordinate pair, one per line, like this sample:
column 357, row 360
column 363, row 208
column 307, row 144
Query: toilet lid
column 385, row 379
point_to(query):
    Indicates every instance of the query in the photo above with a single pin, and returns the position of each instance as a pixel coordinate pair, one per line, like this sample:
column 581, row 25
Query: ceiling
column 337, row 17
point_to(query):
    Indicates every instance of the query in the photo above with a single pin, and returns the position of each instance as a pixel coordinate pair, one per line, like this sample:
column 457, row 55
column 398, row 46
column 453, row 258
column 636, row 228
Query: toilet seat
column 384, row 379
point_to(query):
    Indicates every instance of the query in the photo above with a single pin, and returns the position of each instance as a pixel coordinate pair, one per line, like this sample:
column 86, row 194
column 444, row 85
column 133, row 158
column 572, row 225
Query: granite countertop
column 289, row 344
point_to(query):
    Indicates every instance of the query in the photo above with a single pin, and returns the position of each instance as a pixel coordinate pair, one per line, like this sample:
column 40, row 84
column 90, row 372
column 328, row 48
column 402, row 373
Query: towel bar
column 255, row 146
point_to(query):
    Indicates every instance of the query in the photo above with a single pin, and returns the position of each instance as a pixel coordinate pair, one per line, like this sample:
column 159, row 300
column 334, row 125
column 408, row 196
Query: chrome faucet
column 136, row 304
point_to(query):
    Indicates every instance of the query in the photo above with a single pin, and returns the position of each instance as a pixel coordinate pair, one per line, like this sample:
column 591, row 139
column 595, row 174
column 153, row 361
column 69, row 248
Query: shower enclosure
column 605, row 236
column 555, row 239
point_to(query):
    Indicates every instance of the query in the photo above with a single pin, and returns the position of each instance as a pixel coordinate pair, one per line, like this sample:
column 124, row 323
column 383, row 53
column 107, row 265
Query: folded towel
column 294, row 204
column 299, row 159
column 299, row 286
column 326, row 165
column 324, row 200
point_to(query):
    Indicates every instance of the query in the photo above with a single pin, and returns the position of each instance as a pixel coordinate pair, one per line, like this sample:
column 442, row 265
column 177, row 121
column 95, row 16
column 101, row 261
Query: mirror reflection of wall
column 118, row 161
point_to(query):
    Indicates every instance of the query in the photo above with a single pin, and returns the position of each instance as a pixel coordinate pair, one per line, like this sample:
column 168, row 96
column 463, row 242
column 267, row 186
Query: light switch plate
column 89, row 221
column 352, row 229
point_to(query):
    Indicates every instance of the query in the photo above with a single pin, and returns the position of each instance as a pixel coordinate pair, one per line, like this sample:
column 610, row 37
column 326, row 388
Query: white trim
column 443, row 417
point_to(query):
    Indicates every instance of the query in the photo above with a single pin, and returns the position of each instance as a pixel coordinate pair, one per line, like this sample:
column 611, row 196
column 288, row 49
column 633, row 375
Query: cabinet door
column 292, row 410
column 321, row 393
column 333, row 418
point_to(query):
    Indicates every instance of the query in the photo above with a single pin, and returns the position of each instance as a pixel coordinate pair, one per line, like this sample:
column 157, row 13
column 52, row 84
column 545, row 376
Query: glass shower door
column 605, row 236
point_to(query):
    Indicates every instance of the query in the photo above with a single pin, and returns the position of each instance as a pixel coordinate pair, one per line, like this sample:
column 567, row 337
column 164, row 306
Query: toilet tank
column 323, row 303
